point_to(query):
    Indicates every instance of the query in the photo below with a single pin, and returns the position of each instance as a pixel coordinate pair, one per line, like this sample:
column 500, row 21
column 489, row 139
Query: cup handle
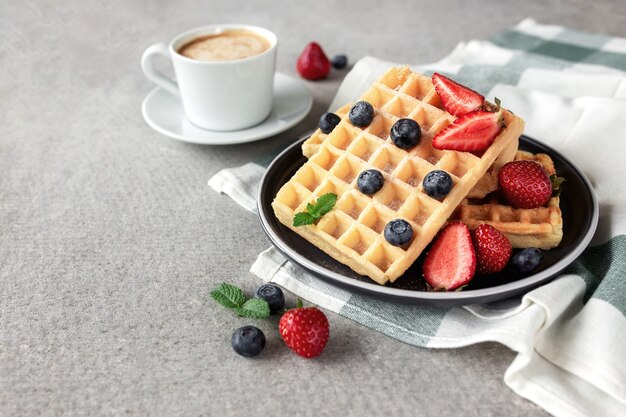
column 147, row 64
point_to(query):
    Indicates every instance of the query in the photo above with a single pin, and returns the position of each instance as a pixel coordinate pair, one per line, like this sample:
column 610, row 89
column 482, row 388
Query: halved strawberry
column 451, row 262
column 456, row 98
column 472, row 132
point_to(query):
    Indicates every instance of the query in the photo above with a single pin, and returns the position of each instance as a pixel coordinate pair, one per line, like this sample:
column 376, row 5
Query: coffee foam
column 226, row 46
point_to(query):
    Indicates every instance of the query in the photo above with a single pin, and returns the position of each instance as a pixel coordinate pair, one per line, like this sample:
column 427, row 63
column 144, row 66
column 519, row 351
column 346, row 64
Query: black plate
column 580, row 218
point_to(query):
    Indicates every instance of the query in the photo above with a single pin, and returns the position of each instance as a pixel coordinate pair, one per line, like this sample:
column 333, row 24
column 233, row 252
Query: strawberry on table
column 451, row 262
column 304, row 330
column 313, row 63
column 456, row 98
column 525, row 184
column 493, row 249
column 472, row 132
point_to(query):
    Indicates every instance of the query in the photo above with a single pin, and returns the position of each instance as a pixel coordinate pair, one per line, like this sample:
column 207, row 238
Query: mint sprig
column 256, row 308
column 232, row 297
column 314, row 212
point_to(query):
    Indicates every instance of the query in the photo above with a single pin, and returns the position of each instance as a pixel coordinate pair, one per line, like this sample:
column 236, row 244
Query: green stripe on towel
column 552, row 48
column 411, row 324
column 604, row 270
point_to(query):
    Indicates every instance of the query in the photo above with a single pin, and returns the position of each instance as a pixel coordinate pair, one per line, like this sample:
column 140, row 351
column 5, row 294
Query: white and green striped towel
column 570, row 334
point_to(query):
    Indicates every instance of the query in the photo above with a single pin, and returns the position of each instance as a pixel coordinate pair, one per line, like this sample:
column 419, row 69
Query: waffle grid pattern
column 540, row 227
column 352, row 232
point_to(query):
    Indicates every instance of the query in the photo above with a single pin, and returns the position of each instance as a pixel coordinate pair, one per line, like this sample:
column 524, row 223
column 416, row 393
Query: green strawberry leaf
column 325, row 203
column 498, row 102
column 228, row 296
column 557, row 185
column 302, row 219
column 255, row 308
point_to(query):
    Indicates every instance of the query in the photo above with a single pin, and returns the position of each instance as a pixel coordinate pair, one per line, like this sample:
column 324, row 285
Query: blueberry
column 339, row 61
column 273, row 295
column 370, row 181
column 398, row 232
column 406, row 133
column 437, row 183
column 328, row 121
column 527, row 260
column 248, row 341
column 361, row 114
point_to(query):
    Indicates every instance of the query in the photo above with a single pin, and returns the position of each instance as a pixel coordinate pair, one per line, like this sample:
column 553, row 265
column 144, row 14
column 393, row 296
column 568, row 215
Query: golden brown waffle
column 487, row 184
column 352, row 232
column 312, row 144
column 540, row 227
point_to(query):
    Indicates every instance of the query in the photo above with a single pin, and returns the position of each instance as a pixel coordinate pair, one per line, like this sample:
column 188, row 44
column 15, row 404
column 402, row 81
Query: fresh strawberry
column 451, row 262
column 472, row 132
column 456, row 98
column 525, row 184
column 493, row 249
column 304, row 330
column 313, row 63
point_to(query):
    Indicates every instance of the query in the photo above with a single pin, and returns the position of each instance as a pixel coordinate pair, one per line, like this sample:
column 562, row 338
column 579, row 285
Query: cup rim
column 209, row 29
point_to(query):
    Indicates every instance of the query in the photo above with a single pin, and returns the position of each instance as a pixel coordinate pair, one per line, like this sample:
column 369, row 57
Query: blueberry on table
column 398, row 232
column 527, row 260
column 273, row 295
column 248, row 341
column 370, row 181
column 406, row 133
column 328, row 121
column 339, row 61
column 437, row 183
column 361, row 114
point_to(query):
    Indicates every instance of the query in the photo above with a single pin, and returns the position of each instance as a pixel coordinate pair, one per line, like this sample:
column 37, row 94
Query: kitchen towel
column 570, row 335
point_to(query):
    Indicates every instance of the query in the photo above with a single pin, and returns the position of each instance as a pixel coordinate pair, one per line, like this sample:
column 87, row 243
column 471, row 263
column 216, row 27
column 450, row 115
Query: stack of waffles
column 352, row 232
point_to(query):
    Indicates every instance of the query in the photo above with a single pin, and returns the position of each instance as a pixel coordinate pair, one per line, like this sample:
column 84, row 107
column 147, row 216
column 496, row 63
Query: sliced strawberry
column 456, row 98
column 472, row 132
column 493, row 249
column 451, row 262
column 525, row 184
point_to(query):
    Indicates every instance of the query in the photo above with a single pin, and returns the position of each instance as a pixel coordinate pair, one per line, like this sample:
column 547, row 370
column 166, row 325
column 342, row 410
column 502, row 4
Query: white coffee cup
column 218, row 95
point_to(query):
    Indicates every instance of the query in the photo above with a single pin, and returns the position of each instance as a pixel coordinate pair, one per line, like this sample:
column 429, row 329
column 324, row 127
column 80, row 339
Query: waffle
column 540, row 227
column 352, row 232
column 312, row 144
column 487, row 184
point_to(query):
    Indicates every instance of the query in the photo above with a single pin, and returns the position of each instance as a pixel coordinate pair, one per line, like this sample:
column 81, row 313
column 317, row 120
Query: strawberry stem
column 299, row 303
column 557, row 185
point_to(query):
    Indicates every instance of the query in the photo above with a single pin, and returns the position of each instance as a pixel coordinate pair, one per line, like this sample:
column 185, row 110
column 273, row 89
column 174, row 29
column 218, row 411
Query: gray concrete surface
column 110, row 239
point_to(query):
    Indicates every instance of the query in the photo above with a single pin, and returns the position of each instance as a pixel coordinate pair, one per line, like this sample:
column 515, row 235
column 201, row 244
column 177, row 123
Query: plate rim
column 240, row 139
column 459, row 297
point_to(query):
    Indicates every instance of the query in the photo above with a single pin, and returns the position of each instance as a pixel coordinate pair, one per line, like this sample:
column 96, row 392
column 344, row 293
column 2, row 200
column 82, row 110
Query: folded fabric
column 570, row 334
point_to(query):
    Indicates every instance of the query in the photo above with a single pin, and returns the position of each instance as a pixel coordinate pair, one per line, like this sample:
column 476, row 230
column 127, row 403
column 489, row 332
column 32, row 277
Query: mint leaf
column 228, row 296
column 256, row 308
column 325, row 203
column 312, row 210
column 302, row 219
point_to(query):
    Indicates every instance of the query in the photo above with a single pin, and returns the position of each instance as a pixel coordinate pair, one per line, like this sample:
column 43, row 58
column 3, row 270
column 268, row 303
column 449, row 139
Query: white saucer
column 164, row 113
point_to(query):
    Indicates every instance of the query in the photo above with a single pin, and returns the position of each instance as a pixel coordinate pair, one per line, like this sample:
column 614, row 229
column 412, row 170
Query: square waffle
column 540, row 227
column 487, row 184
column 352, row 232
